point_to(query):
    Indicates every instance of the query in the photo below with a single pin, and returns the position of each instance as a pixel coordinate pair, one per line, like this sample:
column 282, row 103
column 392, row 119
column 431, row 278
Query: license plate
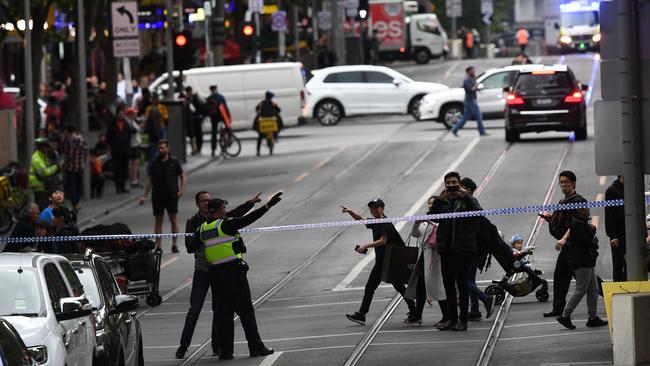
column 544, row 101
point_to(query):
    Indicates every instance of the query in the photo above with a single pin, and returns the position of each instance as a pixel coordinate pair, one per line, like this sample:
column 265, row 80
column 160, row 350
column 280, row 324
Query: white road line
column 303, row 297
column 270, row 360
column 450, row 70
column 317, row 305
column 412, row 211
column 425, row 342
column 169, row 261
column 563, row 334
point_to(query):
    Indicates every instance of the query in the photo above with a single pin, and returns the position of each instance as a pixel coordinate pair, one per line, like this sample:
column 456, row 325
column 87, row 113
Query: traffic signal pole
column 219, row 15
column 29, row 89
column 170, row 51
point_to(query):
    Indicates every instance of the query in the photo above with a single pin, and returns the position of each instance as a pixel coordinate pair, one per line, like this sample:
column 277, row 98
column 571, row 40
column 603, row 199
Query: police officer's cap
column 377, row 202
column 215, row 204
column 41, row 141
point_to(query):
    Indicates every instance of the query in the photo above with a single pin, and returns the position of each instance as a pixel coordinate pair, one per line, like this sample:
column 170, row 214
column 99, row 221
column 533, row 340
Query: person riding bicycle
column 218, row 112
column 268, row 122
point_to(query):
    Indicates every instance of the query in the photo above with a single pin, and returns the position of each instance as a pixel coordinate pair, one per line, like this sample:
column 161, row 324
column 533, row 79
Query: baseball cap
column 376, row 202
column 215, row 204
column 515, row 238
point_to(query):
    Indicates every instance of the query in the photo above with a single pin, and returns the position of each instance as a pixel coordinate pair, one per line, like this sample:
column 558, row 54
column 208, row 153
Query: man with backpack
column 218, row 112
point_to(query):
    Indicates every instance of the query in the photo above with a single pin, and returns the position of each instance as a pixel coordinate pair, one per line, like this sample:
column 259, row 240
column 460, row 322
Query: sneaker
column 262, row 352
column 216, row 352
column 596, row 322
column 474, row 315
column 357, row 317
column 460, row 327
column 175, row 249
column 180, row 352
column 455, row 133
column 413, row 319
column 552, row 313
column 489, row 306
column 566, row 321
column 441, row 323
column 447, row 326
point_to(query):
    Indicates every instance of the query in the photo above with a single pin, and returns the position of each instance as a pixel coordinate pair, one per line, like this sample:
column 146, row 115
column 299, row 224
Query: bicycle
column 229, row 143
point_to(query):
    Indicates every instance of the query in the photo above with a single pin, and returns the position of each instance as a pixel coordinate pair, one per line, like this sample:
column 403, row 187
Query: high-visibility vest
column 218, row 245
column 39, row 171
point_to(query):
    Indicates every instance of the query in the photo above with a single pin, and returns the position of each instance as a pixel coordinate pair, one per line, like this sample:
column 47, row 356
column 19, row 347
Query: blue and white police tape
column 335, row 224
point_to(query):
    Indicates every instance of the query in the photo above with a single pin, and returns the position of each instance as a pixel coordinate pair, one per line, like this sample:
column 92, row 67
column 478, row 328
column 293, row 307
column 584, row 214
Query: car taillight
column 302, row 98
column 574, row 97
column 514, row 99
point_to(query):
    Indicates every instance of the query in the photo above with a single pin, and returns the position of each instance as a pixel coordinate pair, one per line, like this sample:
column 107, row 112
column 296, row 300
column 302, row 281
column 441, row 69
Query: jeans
column 74, row 186
column 470, row 110
column 475, row 294
column 455, row 267
column 619, row 265
column 586, row 283
column 200, row 286
column 373, row 282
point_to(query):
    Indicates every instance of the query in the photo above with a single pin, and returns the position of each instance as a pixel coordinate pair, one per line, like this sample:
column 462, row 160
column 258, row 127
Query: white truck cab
column 44, row 300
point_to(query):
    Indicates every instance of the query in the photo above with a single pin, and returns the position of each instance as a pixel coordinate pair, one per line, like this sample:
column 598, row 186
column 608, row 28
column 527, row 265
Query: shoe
column 566, row 322
column 485, row 134
column 175, row 249
column 489, row 306
column 357, row 317
column 180, row 352
column 159, row 250
column 441, row 323
column 212, row 152
column 411, row 318
column 263, row 352
column 447, row 326
column 538, row 272
column 226, row 357
column 460, row 327
column 216, row 352
column 475, row 315
column 596, row 322
column 454, row 133
column 552, row 313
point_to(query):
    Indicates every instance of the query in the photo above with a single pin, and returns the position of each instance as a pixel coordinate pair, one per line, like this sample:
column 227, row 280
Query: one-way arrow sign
column 122, row 10
column 125, row 19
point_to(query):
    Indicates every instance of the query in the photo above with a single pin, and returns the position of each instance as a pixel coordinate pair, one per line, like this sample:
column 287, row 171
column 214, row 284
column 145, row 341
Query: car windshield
column 89, row 283
column 21, row 294
column 578, row 18
column 531, row 84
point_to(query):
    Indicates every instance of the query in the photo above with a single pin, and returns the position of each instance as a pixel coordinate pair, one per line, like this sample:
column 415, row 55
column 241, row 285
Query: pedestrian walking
column 559, row 223
column 96, row 175
column 470, row 108
column 383, row 234
column 75, row 154
column 581, row 252
column 457, row 246
column 118, row 137
column 230, row 289
column 615, row 229
column 136, row 140
column 194, row 114
column 201, row 277
column 268, row 122
column 152, row 128
column 522, row 39
column 165, row 174
column 425, row 284
column 219, row 113
column 41, row 171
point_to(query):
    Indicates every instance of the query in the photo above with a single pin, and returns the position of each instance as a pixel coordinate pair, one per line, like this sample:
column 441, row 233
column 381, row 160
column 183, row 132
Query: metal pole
column 454, row 34
column 29, row 88
column 338, row 19
column 314, row 28
column 83, row 95
column 281, row 37
column 219, row 15
column 209, row 56
column 632, row 137
column 169, row 47
column 296, row 33
column 258, row 52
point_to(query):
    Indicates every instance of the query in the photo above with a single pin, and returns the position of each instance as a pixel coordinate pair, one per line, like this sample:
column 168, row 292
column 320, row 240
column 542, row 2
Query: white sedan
column 339, row 91
column 447, row 106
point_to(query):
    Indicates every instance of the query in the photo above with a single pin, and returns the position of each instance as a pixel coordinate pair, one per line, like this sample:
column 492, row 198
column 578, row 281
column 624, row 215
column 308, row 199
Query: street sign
column 279, row 21
column 352, row 4
column 129, row 47
column 256, row 6
column 454, row 8
column 487, row 9
column 324, row 20
column 125, row 19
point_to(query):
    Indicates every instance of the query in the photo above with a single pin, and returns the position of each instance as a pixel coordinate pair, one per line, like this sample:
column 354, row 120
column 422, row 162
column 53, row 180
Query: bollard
column 631, row 329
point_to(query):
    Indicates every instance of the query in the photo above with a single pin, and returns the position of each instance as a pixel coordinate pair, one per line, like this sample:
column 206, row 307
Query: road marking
column 567, row 333
column 412, row 211
column 168, row 262
column 599, row 197
column 321, row 164
column 270, row 360
column 301, row 177
column 450, row 70
column 603, row 180
column 319, row 304
column 425, row 342
column 303, row 297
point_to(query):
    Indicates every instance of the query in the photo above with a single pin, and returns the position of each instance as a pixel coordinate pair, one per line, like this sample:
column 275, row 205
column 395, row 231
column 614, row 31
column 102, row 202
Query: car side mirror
column 584, row 87
column 125, row 303
column 397, row 82
column 72, row 308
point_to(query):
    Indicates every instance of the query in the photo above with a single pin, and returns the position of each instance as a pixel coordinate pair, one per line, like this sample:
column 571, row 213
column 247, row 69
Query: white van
column 244, row 86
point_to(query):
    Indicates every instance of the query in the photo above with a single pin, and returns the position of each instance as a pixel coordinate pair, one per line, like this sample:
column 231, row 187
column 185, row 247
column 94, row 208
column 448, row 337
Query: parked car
column 44, row 300
column 546, row 99
column 447, row 106
column 12, row 348
column 118, row 333
column 340, row 91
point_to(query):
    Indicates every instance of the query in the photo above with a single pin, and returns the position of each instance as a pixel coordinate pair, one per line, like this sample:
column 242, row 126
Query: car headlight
column 596, row 37
column 38, row 353
column 565, row 39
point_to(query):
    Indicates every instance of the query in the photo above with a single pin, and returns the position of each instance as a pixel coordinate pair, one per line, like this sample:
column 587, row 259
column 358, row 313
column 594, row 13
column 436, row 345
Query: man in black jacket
column 457, row 246
column 615, row 228
column 559, row 223
column 201, row 278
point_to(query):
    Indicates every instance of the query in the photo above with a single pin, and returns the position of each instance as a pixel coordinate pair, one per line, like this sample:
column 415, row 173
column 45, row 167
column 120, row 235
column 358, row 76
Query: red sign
column 388, row 20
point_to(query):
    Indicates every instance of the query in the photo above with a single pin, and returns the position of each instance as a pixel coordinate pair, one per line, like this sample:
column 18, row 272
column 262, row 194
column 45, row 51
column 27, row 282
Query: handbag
column 432, row 239
column 399, row 262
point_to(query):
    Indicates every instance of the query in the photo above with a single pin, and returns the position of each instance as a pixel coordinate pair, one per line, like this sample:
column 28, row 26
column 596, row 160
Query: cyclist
column 218, row 112
column 268, row 122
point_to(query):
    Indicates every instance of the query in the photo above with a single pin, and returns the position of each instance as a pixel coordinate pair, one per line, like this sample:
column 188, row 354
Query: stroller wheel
column 541, row 295
column 498, row 293
column 154, row 300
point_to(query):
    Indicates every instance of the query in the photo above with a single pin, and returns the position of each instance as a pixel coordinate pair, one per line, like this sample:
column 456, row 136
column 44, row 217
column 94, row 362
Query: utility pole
column 83, row 96
column 209, row 56
column 29, row 88
column 314, row 27
column 219, row 18
column 338, row 19
column 282, row 40
column 258, row 52
column 296, row 32
column 169, row 50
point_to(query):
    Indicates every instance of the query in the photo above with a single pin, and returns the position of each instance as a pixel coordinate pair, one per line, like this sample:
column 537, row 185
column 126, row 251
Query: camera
column 357, row 247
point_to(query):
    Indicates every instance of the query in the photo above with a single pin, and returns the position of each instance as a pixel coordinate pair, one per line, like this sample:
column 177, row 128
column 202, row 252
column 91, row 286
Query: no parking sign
column 279, row 21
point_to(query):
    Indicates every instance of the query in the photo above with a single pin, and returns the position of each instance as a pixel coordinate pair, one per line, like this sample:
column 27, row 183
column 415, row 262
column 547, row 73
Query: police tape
column 335, row 224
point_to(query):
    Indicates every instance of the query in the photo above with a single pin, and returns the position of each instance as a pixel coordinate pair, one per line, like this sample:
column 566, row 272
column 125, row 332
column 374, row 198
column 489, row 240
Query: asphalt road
column 299, row 275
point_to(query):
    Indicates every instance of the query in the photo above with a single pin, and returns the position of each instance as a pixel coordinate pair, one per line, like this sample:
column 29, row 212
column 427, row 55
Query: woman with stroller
column 425, row 284
column 268, row 122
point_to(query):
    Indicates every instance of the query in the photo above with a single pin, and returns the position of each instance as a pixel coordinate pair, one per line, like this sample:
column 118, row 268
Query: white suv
column 44, row 300
column 339, row 91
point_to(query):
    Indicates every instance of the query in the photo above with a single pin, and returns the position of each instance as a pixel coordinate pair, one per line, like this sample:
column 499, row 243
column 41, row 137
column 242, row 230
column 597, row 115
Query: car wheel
column 511, row 135
column 450, row 114
column 422, row 56
column 414, row 107
column 329, row 112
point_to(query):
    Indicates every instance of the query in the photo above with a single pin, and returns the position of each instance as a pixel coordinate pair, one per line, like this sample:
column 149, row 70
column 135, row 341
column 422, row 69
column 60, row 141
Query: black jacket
column 459, row 234
column 582, row 247
column 615, row 216
column 561, row 219
column 119, row 139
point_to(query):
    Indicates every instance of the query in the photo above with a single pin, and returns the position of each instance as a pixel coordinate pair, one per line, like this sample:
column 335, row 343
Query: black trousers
column 455, row 269
column 232, row 294
column 561, row 281
column 96, row 186
column 74, row 186
column 200, row 286
column 121, row 172
column 198, row 132
column 213, row 133
column 269, row 142
column 371, row 286
column 619, row 265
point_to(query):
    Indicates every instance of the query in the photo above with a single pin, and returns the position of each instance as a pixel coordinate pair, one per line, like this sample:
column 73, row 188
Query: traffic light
column 362, row 9
column 184, row 52
column 247, row 39
column 218, row 31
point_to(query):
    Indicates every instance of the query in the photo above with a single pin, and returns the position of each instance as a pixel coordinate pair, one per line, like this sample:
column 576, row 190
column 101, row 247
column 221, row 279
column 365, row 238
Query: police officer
column 230, row 289
column 40, row 172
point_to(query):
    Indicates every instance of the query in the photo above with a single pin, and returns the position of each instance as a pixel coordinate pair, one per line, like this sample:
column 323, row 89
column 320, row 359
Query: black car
column 12, row 348
column 545, row 99
column 119, row 337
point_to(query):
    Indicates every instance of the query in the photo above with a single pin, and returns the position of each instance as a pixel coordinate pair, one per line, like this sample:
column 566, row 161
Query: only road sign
column 125, row 19
column 324, row 20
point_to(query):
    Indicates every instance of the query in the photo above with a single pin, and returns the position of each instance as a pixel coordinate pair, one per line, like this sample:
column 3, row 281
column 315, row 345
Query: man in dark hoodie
column 615, row 228
column 457, row 246
column 201, row 278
